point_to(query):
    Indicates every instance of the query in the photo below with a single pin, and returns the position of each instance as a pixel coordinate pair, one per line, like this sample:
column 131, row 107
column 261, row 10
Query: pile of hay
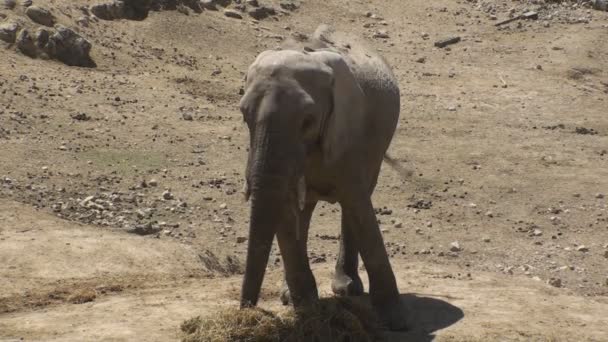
column 332, row 320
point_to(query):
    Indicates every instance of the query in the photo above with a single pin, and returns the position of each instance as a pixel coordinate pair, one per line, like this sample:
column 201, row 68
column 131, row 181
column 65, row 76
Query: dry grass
column 332, row 320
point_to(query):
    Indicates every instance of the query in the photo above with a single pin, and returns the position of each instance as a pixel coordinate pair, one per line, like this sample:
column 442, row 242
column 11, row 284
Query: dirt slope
column 506, row 133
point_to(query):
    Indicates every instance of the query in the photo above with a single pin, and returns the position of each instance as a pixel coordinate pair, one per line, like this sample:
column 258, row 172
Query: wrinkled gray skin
column 320, row 122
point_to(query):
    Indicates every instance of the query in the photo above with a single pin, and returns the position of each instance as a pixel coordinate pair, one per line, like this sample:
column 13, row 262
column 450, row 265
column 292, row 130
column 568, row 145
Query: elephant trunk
column 269, row 196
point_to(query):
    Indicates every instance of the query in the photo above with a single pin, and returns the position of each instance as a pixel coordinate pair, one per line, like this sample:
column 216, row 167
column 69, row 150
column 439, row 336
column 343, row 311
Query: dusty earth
column 120, row 206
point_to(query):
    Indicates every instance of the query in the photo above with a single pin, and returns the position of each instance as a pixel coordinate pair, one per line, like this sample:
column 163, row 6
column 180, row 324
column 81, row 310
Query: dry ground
column 506, row 132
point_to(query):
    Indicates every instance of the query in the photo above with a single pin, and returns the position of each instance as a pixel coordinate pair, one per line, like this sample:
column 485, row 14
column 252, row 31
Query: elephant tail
column 403, row 171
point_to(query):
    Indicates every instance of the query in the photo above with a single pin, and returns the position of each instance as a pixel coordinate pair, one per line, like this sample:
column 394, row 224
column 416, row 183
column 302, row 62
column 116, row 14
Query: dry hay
column 331, row 320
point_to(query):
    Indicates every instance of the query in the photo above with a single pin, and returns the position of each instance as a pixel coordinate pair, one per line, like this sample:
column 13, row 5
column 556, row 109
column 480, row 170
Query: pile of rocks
column 50, row 40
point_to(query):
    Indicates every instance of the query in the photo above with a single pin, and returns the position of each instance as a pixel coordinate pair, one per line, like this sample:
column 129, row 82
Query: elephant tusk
column 246, row 191
column 301, row 193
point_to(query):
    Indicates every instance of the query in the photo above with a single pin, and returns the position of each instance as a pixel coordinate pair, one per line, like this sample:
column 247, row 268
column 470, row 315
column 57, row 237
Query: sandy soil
column 506, row 133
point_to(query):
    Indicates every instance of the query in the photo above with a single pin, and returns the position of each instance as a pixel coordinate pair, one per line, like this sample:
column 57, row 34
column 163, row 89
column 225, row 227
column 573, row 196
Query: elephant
column 320, row 121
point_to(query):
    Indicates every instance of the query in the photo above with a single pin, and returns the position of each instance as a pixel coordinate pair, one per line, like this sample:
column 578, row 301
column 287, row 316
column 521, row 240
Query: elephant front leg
column 382, row 283
column 346, row 280
column 299, row 285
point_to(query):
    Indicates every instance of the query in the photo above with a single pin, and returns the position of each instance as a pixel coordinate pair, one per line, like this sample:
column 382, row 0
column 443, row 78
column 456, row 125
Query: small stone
column 381, row 34
column 455, row 247
column 421, row 60
column 599, row 195
column 167, row 195
column 555, row 282
column 489, row 214
column 486, row 239
column 241, row 239
column 252, row 3
column 398, row 225
column 384, row 230
column 429, row 224
column 153, row 182
column 582, row 248
column 606, row 254
column 288, row 5
column 232, row 14
column 537, row 232
column 40, row 16
column 80, row 116
column 187, row 116
column 223, row 206
column 27, row 3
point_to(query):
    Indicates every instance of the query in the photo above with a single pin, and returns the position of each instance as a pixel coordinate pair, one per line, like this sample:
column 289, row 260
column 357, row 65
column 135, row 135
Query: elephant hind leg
column 346, row 280
column 368, row 239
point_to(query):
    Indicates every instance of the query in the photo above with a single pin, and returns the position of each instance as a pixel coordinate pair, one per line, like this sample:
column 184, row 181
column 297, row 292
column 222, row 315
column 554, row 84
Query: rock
column 167, row 195
column 83, row 21
column 153, row 182
column 600, row 5
column 41, row 37
column 241, row 239
column 187, row 116
column 145, row 229
column 253, row 3
column 555, row 282
column 25, row 44
column 537, row 232
column 27, row 3
column 208, row 5
column 381, row 34
column 223, row 206
column 455, row 247
column 606, row 254
column 486, row 239
column 446, row 42
column 81, row 116
column 421, row 60
column 232, row 14
column 109, row 11
column 261, row 12
column 582, row 248
column 599, row 195
column 8, row 32
column 70, row 48
column 289, row 5
column 40, row 16
column 9, row 4
column 398, row 224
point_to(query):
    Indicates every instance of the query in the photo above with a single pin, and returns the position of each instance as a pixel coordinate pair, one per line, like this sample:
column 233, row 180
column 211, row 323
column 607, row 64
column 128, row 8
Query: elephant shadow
column 426, row 315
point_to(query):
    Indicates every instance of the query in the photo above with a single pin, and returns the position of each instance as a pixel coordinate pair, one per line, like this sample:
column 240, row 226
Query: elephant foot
column 311, row 297
column 393, row 315
column 344, row 285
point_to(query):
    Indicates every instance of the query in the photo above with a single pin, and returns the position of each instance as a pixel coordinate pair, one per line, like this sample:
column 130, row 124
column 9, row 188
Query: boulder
column 40, row 16
column 8, row 32
column 25, row 44
column 70, row 48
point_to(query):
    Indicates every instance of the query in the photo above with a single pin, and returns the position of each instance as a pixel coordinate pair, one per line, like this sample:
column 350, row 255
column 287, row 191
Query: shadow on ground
column 426, row 315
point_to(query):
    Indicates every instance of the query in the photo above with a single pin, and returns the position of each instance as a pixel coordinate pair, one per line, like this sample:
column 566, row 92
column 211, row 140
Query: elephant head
column 296, row 104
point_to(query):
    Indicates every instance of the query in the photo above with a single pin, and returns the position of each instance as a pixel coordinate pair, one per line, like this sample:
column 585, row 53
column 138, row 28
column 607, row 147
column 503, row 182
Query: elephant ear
column 344, row 124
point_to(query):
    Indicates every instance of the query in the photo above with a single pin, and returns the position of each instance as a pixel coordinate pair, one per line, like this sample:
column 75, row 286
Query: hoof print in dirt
column 40, row 16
